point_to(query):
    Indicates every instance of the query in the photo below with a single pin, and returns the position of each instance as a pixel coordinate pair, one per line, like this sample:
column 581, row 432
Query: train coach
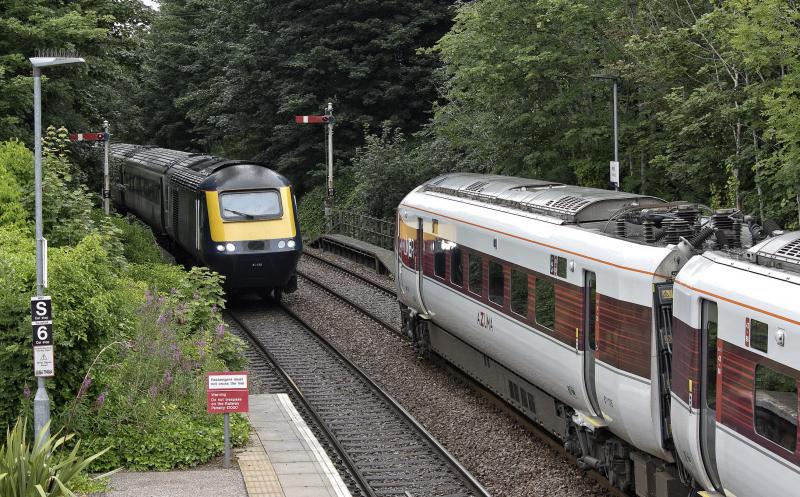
column 657, row 340
column 238, row 218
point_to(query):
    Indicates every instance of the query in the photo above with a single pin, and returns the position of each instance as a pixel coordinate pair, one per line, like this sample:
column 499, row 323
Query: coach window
column 456, row 266
column 476, row 274
column 759, row 335
column 776, row 407
column 710, row 326
column 519, row 292
column 496, row 282
column 439, row 259
column 545, row 303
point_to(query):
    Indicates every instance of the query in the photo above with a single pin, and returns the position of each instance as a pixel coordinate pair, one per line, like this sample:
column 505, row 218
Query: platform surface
column 386, row 257
column 294, row 456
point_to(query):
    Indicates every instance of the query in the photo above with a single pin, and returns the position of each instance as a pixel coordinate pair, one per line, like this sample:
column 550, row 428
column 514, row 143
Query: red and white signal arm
column 312, row 119
column 227, row 392
column 88, row 137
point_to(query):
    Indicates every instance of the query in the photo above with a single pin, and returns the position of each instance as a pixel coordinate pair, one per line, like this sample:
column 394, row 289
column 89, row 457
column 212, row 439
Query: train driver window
column 476, row 274
column 439, row 259
column 496, row 282
column 456, row 266
column 263, row 204
column 545, row 303
column 759, row 335
column 775, row 416
column 519, row 292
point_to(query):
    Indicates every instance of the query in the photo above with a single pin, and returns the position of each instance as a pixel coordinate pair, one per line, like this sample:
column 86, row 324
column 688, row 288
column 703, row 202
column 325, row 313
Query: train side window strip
column 475, row 274
column 775, row 407
column 519, row 292
column 439, row 259
column 496, row 282
column 545, row 303
column 456, row 266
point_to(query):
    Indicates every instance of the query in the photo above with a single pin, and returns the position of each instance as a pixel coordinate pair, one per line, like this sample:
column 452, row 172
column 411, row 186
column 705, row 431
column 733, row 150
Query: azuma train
column 660, row 341
column 238, row 218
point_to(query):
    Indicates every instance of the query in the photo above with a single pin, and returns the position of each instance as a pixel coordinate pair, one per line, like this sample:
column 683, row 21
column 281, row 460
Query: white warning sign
column 43, row 363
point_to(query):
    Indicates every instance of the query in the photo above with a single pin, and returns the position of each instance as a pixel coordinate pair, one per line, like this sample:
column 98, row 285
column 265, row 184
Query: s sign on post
column 227, row 393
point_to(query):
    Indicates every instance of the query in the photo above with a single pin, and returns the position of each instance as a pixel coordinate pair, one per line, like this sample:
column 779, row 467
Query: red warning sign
column 227, row 392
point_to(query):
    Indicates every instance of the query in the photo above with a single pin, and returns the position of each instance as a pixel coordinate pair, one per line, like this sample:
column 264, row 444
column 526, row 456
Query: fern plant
column 39, row 470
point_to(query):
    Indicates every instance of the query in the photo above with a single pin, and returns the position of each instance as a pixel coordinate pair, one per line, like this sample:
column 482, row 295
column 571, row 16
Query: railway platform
column 366, row 253
column 286, row 459
column 283, row 459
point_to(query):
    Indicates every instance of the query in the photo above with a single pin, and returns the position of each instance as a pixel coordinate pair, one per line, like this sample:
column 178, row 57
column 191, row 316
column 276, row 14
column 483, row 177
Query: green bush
column 144, row 395
column 11, row 208
column 134, row 336
column 139, row 244
column 42, row 469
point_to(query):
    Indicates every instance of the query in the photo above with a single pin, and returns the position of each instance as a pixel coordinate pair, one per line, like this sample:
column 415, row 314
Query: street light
column 615, row 164
column 41, row 403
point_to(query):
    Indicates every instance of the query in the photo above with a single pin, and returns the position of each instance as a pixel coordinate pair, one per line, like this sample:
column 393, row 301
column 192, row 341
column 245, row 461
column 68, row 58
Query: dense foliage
column 230, row 76
column 706, row 90
column 135, row 336
column 102, row 31
column 708, row 93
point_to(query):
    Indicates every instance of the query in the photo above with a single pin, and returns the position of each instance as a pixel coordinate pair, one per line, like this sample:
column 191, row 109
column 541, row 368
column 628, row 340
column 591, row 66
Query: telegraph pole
column 614, row 165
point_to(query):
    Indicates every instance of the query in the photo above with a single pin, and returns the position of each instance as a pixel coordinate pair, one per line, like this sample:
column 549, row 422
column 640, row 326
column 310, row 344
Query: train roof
column 193, row 170
column 570, row 204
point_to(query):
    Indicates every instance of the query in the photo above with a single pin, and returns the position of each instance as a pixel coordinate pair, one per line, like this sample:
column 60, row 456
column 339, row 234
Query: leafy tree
column 100, row 30
column 239, row 72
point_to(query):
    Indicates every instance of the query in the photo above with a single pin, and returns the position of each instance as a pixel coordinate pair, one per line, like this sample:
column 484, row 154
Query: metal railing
column 368, row 229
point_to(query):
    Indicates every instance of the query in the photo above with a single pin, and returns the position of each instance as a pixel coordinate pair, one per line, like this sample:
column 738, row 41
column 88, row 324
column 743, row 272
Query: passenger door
column 590, row 337
column 708, row 389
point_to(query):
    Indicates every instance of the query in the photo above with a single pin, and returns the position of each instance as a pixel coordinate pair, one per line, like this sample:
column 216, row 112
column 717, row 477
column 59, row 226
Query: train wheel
column 277, row 294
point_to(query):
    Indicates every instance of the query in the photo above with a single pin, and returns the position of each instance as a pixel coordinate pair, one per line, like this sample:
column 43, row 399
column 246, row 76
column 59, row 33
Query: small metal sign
column 43, row 361
column 41, row 308
column 42, row 333
column 614, row 172
column 227, row 392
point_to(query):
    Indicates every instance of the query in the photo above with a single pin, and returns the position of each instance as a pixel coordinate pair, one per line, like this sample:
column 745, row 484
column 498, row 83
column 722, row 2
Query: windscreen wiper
column 243, row 214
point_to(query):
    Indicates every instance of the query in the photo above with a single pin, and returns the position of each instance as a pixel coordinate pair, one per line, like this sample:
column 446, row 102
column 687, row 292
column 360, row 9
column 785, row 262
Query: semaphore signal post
column 327, row 120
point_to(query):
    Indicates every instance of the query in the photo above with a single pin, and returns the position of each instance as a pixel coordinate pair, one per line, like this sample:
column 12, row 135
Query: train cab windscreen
column 264, row 204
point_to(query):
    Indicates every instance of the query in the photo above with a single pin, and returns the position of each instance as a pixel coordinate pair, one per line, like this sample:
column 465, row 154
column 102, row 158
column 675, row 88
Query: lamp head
column 52, row 57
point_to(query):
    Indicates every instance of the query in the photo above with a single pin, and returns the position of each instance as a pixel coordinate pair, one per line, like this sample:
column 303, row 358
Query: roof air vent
column 568, row 203
column 477, row 186
column 791, row 250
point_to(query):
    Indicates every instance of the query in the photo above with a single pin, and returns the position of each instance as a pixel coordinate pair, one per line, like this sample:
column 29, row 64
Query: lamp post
column 614, row 170
column 41, row 402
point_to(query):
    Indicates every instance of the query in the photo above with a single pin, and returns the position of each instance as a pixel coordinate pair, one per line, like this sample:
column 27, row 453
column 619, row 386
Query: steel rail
column 352, row 273
column 386, row 397
column 351, row 465
column 349, row 302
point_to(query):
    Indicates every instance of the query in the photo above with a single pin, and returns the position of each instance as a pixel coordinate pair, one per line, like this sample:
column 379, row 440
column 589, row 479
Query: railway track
column 530, row 426
column 384, row 449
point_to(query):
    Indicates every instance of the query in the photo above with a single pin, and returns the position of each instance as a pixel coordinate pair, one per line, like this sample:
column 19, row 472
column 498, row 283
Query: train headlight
column 281, row 244
column 290, row 244
column 220, row 248
column 230, row 247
